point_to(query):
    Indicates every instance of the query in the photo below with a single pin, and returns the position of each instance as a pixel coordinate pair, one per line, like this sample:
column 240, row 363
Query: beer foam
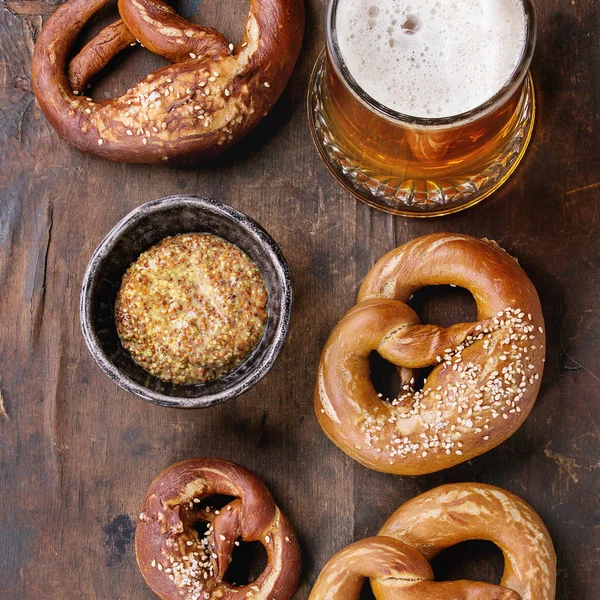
column 428, row 58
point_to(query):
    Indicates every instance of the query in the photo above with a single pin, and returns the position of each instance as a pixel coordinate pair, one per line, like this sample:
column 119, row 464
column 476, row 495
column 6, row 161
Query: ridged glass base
column 417, row 197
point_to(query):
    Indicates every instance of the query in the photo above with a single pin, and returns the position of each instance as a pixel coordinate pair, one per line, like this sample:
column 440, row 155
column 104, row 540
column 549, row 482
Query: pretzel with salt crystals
column 211, row 96
column 178, row 563
column 397, row 559
column 486, row 375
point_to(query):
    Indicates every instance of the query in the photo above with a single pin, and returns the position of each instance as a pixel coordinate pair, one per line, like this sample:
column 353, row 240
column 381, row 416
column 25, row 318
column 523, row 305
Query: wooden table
column 77, row 453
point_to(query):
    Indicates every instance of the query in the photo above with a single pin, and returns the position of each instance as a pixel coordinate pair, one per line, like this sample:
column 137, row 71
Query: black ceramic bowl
column 145, row 227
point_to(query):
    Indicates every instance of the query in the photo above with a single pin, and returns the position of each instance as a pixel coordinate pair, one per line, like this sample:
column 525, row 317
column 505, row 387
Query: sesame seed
column 474, row 397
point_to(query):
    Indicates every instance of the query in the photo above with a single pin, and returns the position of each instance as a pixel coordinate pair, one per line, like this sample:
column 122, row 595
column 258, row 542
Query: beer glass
column 419, row 166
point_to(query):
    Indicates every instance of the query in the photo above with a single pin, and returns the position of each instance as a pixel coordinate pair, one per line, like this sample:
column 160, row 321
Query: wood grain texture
column 77, row 453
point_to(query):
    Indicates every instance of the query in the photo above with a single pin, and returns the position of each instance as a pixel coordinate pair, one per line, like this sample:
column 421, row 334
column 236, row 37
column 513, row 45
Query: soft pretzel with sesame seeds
column 397, row 559
column 486, row 375
column 178, row 563
column 210, row 97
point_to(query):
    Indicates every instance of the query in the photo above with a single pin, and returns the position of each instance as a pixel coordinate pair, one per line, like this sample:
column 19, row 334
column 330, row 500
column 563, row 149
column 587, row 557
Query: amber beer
column 423, row 106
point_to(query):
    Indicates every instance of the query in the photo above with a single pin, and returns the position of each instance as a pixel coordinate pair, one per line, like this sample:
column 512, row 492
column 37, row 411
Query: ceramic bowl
column 139, row 230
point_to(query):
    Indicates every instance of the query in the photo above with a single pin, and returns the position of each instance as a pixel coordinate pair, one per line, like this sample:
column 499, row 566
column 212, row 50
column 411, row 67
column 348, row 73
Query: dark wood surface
column 77, row 453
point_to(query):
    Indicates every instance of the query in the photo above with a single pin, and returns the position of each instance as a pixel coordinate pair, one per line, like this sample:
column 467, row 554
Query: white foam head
column 431, row 58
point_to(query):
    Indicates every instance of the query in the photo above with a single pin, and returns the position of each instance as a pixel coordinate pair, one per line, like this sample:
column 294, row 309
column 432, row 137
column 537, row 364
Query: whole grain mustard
column 191, row 309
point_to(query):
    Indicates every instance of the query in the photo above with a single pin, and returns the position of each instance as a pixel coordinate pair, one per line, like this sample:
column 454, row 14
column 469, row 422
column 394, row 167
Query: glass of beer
column 424, row 107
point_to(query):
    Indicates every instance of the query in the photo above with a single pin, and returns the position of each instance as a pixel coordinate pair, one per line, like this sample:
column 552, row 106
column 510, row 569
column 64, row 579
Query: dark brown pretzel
column 397, row 560
column 486, row 374
column 179, row 564
column 211, row 96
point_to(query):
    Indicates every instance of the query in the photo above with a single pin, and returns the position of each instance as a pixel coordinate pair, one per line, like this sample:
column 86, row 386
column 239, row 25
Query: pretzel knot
column 486, row 375
column 210, row 97
column 397, row 559
column 179, row 563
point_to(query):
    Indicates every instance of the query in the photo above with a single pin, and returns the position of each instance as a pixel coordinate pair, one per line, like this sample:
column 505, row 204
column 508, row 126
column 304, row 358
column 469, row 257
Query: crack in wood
column 3, row 412
column 578, row 366
column 563, row 364
column 22, row 115
column 38, row 310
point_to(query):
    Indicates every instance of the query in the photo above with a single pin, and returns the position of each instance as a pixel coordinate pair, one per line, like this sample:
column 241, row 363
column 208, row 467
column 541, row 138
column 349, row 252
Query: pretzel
column 194, row 109
column 177, row 563
column 486, row 375
column 397, row 559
